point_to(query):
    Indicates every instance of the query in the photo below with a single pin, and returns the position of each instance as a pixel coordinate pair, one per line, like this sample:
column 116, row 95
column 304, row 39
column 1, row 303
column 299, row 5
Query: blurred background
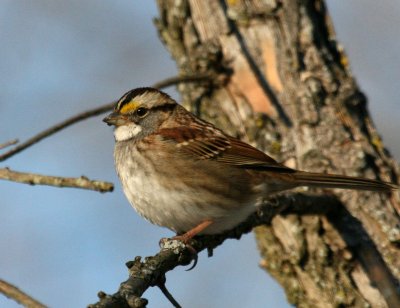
column 58, row 58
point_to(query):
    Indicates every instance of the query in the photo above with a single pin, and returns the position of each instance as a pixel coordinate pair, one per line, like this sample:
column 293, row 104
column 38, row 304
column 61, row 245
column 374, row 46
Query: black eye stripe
column 164, row 107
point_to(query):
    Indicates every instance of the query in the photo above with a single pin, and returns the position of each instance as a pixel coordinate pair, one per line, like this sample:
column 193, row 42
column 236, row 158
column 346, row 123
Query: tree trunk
column 282, row 83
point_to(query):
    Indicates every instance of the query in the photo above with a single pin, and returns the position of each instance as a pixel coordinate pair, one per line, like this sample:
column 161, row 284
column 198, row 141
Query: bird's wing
column 213, row 144
column 242, row 154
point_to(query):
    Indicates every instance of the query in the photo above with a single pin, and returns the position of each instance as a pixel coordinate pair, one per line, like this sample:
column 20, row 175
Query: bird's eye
column 142, row 112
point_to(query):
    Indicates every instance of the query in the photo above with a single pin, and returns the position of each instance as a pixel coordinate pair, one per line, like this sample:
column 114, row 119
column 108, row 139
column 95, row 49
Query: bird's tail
column 341, row 181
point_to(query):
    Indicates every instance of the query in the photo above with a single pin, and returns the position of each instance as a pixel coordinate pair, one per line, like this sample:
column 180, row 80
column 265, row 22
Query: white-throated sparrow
column 183, row 173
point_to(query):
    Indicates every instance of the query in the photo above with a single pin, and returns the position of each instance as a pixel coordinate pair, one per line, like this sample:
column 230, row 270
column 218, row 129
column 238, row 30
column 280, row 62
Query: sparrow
column 181, row 172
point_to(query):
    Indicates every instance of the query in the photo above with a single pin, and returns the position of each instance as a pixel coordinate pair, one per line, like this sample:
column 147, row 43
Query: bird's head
column 139, row 113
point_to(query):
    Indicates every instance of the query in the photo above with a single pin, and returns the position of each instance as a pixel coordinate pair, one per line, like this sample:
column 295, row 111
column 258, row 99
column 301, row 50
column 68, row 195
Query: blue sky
column 58, row 58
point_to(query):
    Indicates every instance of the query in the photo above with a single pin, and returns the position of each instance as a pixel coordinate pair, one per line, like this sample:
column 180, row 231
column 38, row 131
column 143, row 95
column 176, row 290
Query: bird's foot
column 185, row 239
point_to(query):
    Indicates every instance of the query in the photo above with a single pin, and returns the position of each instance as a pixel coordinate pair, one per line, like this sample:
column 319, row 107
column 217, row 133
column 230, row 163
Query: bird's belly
column 180, row 206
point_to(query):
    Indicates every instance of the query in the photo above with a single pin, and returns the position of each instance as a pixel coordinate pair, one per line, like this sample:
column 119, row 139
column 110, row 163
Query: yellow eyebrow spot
column 131, row 106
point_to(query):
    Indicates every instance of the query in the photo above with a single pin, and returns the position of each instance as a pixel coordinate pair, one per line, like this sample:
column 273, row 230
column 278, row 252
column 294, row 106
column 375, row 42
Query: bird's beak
column 115, row 118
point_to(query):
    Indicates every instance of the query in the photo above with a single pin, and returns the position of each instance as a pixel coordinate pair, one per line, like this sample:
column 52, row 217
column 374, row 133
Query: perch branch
column 38, row 179
column 19, row 296
column 151, row 272
column 173, row 253
column 92, row 113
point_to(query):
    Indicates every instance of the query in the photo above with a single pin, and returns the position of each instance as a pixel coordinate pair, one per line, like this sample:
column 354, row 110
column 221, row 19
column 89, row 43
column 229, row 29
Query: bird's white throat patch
column 125, row 132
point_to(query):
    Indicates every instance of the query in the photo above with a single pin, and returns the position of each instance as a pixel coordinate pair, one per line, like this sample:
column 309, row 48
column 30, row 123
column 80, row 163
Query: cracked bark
column 290, row 93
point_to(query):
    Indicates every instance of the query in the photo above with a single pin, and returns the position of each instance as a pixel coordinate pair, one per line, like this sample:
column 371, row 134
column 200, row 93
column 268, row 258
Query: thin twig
column 94, row 112
column 56, row 128
column 8, row 143
column 38, row 179
column 168, row 295
column 181, row 79
column 19, row 296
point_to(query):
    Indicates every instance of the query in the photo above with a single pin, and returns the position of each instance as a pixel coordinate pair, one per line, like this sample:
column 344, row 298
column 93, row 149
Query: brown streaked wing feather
column 246, row 156
column 205, row 144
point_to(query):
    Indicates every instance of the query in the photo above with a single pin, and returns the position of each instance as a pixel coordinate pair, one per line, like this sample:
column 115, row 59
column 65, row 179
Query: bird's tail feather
column 341, row 181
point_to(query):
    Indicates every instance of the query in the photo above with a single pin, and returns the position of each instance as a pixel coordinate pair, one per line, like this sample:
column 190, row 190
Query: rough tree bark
column 284, row 85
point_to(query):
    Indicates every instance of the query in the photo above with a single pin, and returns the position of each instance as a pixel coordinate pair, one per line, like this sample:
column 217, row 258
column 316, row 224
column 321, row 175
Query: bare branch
column 151, row 272
column 56, row 128
column 92, row 113
column 8, row 143
column 181, row 79
column 38, row 179
column 19, row 296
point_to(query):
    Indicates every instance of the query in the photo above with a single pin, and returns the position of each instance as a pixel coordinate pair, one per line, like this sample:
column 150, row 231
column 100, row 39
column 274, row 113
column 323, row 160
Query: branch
column 151, row 272
column 8, row 143
column 19, row 296
column 182, row 79
column 173, row 253
column 56, row 128
column 94, row 112
column 38, row 179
